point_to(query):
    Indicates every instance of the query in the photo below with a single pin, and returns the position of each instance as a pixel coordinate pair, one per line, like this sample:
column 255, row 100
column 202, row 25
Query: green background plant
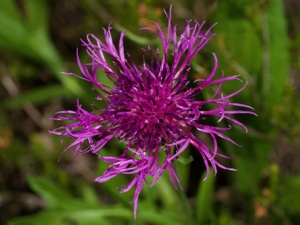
column 257, row 39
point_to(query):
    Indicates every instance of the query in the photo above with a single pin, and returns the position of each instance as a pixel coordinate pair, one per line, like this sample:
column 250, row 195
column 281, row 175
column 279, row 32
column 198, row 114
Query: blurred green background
column 258, row 39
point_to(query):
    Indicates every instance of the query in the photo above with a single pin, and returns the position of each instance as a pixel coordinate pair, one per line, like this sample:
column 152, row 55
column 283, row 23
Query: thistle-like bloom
column 152, row 108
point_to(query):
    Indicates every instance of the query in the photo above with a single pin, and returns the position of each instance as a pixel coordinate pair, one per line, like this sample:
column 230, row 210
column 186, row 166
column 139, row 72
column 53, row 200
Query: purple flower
column 151, row 107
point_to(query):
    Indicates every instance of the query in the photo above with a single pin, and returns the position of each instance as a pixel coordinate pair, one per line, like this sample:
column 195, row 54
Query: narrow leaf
column 204, row 198
column 37, row 96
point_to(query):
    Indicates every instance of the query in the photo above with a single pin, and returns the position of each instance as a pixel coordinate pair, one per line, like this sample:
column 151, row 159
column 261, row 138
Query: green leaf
column 164, row 188
column 185, row 160
column 11, row 28
column 182, row 168
column 204, row 198
column 52, row 194
column 91, row 217
column 158, row 218
column 37, row 96
column 111, row 185
column 89, row 195
column 63, row 209
column 48, row 217
column 9, row 9
column 238, row 47
column 248, row 173
column 252, row 41
column 135, row 38
column 29, row 37
column 277, row 68
column 36, row 15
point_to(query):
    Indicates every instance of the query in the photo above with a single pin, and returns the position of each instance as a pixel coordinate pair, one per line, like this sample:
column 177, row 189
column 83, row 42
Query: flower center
column 141, row 113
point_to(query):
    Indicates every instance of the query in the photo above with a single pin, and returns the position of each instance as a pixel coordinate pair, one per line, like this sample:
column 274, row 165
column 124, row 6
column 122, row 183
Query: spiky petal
column 151, row 108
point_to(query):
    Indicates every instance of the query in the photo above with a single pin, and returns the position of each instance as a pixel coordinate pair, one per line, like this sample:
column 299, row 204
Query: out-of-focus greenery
column 257, row 39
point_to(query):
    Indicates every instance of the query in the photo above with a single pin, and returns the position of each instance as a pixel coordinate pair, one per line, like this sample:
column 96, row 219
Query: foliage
column 253, row 40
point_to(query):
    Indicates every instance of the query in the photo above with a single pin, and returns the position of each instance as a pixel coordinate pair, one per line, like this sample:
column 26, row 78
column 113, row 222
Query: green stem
column 184, row 200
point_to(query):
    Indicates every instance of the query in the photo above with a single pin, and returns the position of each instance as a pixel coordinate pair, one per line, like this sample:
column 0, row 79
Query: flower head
column 152, row 107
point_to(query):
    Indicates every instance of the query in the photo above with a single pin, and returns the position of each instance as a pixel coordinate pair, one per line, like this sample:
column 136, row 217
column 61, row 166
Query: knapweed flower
column 151, row 107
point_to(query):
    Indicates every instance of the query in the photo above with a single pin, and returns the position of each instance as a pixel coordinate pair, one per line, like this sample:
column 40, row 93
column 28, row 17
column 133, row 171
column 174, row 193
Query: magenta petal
column 151, row 107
